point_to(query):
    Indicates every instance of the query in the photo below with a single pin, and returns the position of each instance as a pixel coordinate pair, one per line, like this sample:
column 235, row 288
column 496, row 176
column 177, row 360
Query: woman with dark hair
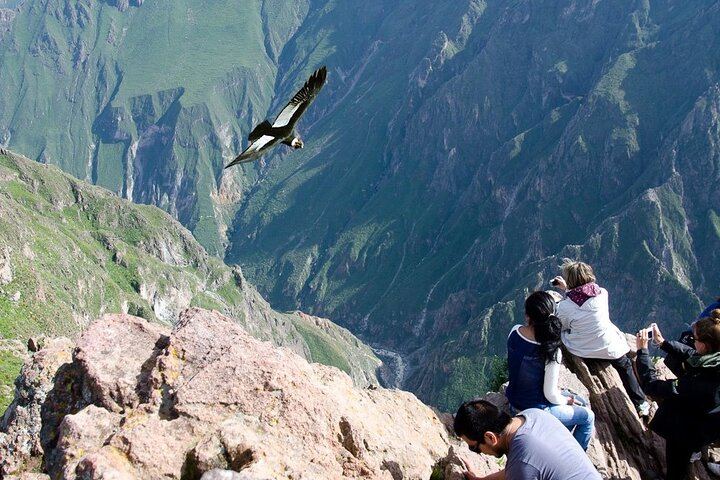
column 686, row 337
column 689, row 414
column 534, row 359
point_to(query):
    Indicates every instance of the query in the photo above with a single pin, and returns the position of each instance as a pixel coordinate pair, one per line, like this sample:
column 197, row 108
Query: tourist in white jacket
column 587, row 331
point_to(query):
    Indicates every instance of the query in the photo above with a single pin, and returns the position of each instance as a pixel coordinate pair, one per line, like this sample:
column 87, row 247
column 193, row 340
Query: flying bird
column 265, row 136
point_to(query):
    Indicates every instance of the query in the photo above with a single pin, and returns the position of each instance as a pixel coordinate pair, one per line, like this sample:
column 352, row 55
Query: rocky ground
column 204, row 400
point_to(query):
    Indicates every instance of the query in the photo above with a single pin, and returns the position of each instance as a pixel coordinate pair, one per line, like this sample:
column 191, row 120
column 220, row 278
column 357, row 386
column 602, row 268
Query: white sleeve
column 550, row 382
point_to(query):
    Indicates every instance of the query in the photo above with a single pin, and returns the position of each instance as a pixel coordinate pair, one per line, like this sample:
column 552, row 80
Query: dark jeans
column 677, row 455
column 624, row 367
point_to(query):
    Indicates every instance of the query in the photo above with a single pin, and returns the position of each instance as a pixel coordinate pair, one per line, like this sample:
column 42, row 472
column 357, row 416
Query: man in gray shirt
column 537, row 445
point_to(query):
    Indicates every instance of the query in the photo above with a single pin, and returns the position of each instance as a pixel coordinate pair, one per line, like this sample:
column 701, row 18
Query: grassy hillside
column 71, row 252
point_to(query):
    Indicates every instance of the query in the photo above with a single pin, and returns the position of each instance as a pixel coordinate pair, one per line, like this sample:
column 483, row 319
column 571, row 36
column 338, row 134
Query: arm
column 648, row 378
column 550, row 383
column 646, row 372
column 563, row 313
column 470, row 475
column 677, row 349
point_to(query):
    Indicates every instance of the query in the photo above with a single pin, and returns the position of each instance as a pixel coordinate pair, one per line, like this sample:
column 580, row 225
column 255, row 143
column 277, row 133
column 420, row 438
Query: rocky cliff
column 137, row 400
column 142, row 400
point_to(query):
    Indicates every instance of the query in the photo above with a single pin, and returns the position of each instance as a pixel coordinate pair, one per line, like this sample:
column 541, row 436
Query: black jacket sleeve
column 677, row 349
column 648, row 377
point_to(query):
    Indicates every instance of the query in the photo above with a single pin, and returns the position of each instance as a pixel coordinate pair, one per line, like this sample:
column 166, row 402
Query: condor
column 265, row 136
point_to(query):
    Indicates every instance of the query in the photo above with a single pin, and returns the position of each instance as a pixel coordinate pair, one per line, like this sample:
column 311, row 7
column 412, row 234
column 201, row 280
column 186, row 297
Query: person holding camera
column 587, row 331
column 686, row 337
column 688, row 417
column 534, row 359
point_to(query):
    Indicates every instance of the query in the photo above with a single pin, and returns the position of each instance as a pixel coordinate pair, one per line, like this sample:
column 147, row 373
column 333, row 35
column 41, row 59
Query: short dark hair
column 475, row 417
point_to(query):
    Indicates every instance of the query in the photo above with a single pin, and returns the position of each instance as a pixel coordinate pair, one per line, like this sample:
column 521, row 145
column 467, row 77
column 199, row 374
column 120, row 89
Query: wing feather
column 253, row 150
column 302, row 99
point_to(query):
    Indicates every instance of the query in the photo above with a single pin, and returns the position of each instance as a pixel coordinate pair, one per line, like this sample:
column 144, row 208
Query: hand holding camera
column 656, row 336
column 647, row 334
column 558, row 282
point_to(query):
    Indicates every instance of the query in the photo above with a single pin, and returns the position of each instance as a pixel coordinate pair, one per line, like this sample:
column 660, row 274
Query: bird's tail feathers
column 260, row 130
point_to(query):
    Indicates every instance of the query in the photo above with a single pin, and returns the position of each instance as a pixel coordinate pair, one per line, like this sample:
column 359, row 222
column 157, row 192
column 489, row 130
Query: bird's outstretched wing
column 265, row 136
column 254, row 150
column 302, row 99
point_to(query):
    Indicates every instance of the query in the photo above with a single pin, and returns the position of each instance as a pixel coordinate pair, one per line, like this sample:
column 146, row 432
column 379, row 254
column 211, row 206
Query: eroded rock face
column 21, row 426
column 208, row 399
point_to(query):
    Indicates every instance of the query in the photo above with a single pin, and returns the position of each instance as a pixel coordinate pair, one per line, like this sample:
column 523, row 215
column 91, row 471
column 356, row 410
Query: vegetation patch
column 10, row 366
column 322, row 349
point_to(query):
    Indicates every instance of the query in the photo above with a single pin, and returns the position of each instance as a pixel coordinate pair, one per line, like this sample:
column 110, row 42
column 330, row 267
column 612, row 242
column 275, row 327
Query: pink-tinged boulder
column 115, row 357
column 208, row 399
column 277, row 416
column 81, row 433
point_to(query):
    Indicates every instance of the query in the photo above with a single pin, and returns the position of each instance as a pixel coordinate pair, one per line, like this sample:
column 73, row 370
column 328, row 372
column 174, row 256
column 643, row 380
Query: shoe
column 643, row 409
column 695, row 457
column 714, row 468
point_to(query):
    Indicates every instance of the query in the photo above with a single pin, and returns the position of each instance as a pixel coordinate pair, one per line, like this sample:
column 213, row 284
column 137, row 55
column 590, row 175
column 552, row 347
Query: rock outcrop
column 205, row 400
column 139, row 400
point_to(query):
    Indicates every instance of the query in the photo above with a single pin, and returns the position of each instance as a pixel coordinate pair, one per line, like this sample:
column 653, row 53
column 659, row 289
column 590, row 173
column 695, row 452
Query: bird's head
column 297, row 143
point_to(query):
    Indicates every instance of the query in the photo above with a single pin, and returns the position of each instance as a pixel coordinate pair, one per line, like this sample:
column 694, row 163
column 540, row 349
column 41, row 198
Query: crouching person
column 689, row 414
column 537, row 445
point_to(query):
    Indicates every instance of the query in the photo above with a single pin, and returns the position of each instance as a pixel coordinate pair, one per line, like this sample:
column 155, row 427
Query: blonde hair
column 707, row 330
column 576, row 273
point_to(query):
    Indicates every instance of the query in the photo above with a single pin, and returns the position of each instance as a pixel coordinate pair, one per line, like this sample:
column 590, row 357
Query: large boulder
column 139, row 400
column 205, row 400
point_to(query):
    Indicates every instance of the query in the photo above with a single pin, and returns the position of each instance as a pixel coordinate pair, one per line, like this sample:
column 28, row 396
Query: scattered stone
column 6, row 274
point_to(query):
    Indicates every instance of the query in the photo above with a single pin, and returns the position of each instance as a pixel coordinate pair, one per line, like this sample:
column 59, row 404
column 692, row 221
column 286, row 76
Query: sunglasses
column 475, row 448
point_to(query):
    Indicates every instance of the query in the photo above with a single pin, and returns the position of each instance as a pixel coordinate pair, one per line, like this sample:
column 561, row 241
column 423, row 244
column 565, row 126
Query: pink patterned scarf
column 582, row 293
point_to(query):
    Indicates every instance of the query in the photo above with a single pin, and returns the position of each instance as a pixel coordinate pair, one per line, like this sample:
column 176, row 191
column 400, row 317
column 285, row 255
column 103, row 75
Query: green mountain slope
column 71, row 252
column 458, row 151
column 525, row 133
column 142, row 101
